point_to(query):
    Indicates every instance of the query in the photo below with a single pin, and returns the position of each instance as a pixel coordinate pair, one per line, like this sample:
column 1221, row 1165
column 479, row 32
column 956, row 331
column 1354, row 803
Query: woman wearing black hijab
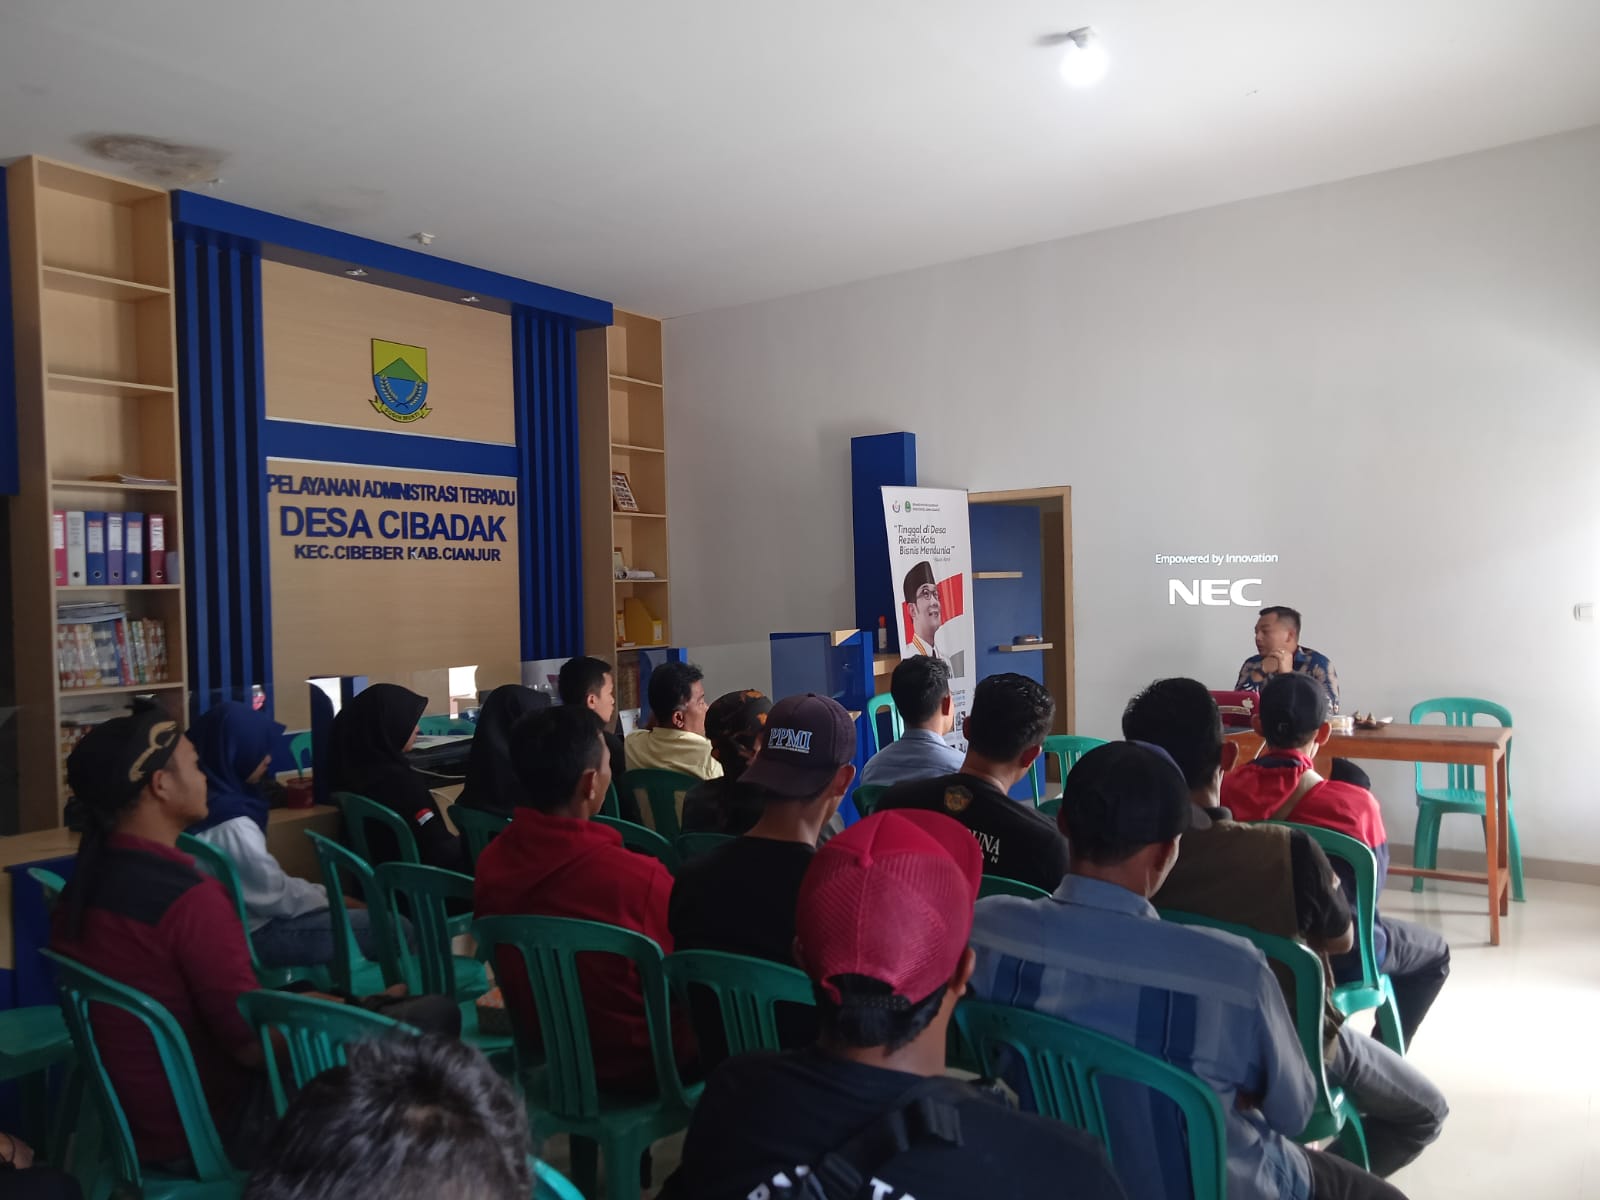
column 492, row 783
column 367, row 755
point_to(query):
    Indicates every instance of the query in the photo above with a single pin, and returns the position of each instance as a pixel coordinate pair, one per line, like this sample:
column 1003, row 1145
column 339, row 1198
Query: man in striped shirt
column 1095, row 953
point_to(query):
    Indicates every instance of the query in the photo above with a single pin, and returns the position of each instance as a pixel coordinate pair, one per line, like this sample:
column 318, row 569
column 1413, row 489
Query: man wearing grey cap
column 1096, row 953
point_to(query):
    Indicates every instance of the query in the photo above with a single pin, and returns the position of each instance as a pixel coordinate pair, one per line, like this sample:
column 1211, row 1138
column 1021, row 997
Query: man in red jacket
column 553, row 861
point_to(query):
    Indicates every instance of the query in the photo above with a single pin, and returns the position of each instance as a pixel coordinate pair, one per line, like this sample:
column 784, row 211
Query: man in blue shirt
column 1279, row 652
column 1095, row 953
column 921, row 690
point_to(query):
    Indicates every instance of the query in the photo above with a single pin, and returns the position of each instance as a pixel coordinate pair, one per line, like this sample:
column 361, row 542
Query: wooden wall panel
column 318, row 331
column 388, row 619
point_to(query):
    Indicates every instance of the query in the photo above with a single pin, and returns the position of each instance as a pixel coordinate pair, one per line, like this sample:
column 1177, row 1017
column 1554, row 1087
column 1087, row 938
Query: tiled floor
column 1514, row 1043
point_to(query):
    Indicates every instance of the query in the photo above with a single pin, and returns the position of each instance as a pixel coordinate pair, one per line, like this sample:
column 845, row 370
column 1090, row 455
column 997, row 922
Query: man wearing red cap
column 882, row 926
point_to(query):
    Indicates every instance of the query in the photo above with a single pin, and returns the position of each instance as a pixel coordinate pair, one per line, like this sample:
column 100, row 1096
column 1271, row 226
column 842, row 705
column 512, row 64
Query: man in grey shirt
column 921, row 691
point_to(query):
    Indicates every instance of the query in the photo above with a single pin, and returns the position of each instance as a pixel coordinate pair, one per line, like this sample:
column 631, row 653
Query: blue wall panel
column 545, row 350
column 881, row 460
column 222, row 407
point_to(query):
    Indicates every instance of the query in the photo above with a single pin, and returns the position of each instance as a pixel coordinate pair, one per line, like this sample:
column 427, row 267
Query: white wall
column 1392, row 382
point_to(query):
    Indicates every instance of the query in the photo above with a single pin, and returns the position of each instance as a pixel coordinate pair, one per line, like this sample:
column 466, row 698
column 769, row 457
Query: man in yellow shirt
column 675, row 739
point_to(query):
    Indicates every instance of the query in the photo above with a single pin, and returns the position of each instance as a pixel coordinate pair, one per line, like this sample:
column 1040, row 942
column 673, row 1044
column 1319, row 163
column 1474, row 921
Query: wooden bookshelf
column 91, row 278
column 622, row 427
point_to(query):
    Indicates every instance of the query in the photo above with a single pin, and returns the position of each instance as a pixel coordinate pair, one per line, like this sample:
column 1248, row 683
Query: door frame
column 1055, row 508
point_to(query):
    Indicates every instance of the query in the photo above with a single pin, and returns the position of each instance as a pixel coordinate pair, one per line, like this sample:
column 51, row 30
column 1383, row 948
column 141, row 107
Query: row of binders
column 111, row 549
column 99, row 645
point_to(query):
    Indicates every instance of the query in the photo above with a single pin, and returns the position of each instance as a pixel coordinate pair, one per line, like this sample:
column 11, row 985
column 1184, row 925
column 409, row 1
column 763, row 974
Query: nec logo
column 1214, row 592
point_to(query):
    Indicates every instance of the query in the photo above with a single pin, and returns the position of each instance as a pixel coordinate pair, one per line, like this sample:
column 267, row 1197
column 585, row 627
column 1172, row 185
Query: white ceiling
column 679, row 155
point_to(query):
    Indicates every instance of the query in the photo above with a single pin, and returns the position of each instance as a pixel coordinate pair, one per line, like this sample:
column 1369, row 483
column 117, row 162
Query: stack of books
column 98, row 645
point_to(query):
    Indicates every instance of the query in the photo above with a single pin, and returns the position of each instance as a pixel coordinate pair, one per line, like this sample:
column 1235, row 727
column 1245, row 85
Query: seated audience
column 1097, row 954
column 367, row 755
column 921, row 690
column 491, row 779
column 675, row 738
column 404, row 1118
column 1277, row 880
column 553, row 861
column 1283, row 785
column 290, row 925
column 1005, row 731
column 590, row 683
column 734, row 724
column 883, row 920
column 1279, row 652
column 139, row 911
column 740, row 898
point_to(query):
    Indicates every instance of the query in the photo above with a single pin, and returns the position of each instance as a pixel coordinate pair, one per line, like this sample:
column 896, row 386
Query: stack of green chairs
column 214, row 1177
column 1066, row 1065
column 558, row 1077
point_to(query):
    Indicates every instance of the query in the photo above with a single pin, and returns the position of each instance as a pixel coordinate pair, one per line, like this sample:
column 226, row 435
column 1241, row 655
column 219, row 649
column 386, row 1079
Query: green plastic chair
column 690, row 846
column 747, row 991
column 314, row 1031
column 361, row 813
column 219, row 866
column 351, row 971
column 300, row 751
column 551, row 1184
column 645, row 841
column 1374, row 989
column 478, row 828
column 867, row 797
column 33, row 1042
column 999, row 885
column 1461, row 793
column 659, row 795
column 1066, row 749
column 441, row 726
column 611, row 806
column 51, row 884
column 427, row 894
column 558, row 1078
column 1066, row 1063
column 1334, row 1115
column 883, row 702
column 214, row 1177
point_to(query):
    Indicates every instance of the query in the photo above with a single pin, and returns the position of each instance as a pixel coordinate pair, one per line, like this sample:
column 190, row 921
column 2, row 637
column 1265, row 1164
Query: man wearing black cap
column 138, row 911
column 1097, row 954
column 922, row 594
column 1282, row 784
column 740, row 898
column 734, row 725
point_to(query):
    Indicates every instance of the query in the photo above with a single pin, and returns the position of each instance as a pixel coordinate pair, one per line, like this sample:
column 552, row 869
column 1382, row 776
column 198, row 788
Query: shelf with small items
column 1023, row 647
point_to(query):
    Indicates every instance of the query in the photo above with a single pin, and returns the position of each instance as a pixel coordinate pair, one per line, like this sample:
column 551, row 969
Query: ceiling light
column 1085, row 62
column 470, row 300
column 355, row 272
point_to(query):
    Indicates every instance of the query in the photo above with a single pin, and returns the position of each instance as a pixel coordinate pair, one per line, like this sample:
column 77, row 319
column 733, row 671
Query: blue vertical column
column 879, row 461
column 549, row 521
column 222, row 407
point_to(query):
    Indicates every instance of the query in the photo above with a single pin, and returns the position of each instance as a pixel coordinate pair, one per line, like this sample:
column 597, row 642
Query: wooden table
column 1481, row 746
